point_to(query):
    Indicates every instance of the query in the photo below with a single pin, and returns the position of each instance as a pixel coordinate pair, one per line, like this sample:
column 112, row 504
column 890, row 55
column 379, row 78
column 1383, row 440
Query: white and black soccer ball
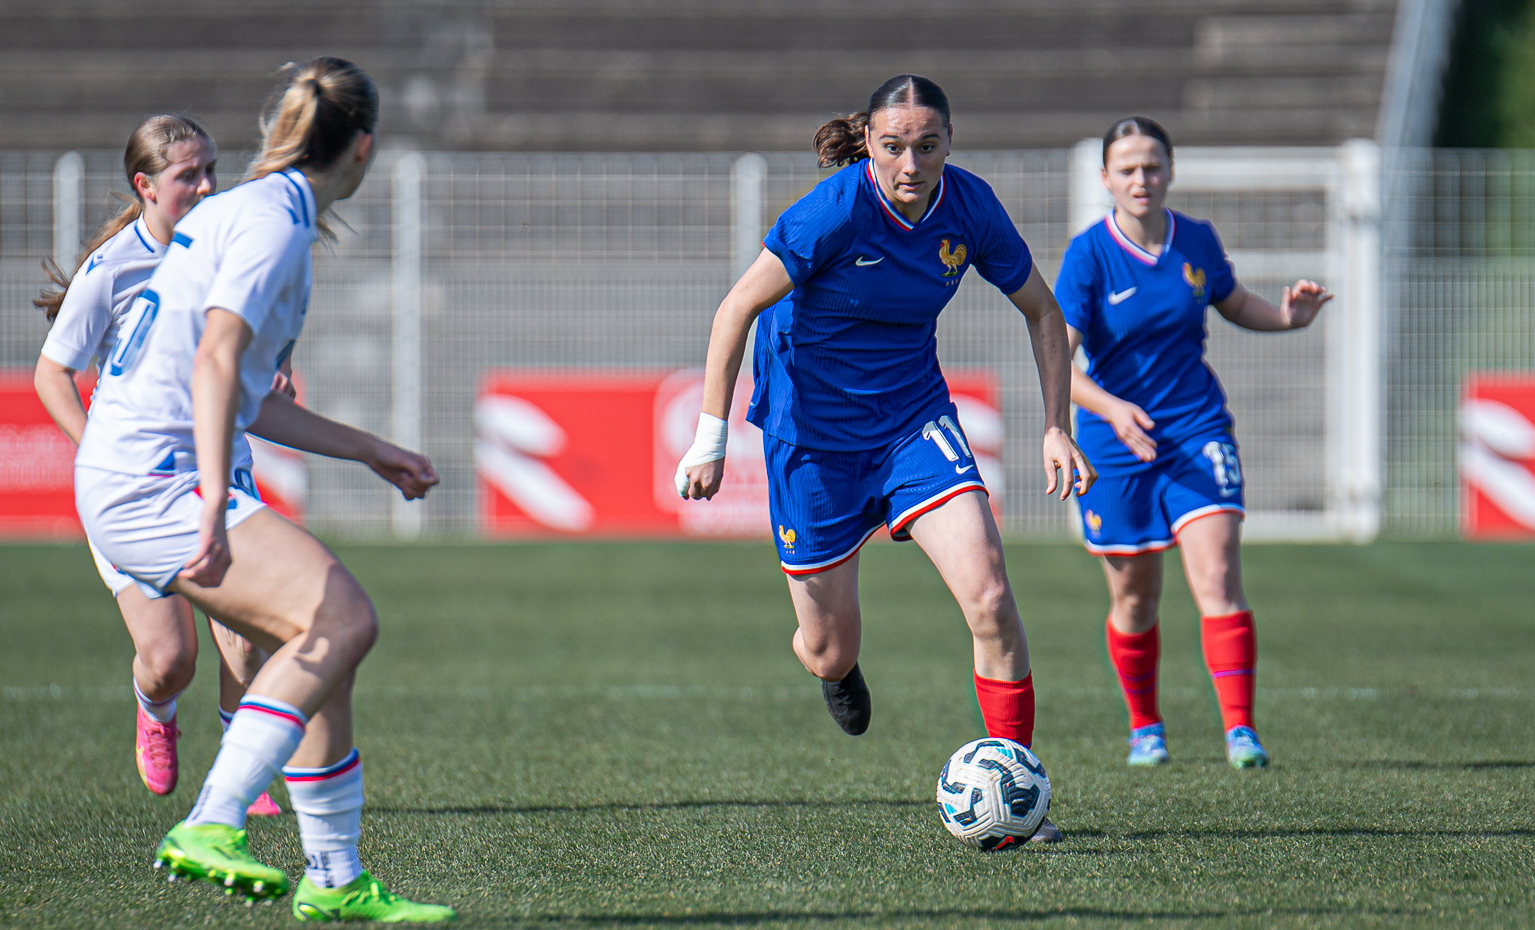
column 993, row 793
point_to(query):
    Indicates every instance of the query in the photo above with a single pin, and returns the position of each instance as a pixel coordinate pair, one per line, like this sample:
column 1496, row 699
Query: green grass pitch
column 617, row 735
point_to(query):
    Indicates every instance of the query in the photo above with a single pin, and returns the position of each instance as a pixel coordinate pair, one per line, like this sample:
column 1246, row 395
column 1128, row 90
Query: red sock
column 1007, row 707
column 1135, row 659
column 1231, row 654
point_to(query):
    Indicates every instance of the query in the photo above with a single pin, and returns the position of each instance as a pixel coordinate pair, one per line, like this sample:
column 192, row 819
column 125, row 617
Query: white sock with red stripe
column 328, row 802
column 226, row 717
column 262, row 737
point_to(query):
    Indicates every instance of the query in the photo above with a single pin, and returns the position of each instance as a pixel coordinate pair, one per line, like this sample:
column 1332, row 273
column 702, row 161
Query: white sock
column 162, row 711
column 264, row 734
column 328, row 802
column 225, row 719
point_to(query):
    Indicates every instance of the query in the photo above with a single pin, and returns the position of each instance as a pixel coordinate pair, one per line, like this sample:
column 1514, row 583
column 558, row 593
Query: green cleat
column 219, row 853
column 363, row 899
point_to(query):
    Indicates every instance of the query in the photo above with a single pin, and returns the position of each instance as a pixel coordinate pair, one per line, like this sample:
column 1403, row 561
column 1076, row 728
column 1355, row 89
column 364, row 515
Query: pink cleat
column 263, row 806
column 155, row 752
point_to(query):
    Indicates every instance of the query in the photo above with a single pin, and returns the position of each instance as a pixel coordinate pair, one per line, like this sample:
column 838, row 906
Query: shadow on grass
column 494, row 809
column 946, row 914
column 1322, row 832
column 1489, row 764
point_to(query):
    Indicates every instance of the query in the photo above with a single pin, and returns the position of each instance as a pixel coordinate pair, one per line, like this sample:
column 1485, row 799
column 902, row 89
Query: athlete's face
column 188, row 178
column 1138, row 173
column 908, row 145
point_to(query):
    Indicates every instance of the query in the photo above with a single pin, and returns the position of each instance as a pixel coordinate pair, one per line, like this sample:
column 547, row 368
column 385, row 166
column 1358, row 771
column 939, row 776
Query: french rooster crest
column 951, row 260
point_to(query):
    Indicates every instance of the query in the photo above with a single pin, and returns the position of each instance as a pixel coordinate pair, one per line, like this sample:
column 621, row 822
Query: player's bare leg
column 963, row 542
column 1134, row 646
column 827, row 641
column 1212, row 560
column 286, row 593
column 239, row 661
column 165, row 658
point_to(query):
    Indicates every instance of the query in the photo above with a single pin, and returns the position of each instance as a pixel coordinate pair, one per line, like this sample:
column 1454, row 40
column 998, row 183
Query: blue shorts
column 825, row 505
column 1145, row 511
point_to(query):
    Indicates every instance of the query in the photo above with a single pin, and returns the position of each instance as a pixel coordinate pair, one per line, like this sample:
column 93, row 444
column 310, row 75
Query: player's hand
column 411, row 472
column 703, row 466
column 212, row 558
column 1302, row 302
column 284, row 385
column 701, row 482
column 1130, row 425
column 1063, row 458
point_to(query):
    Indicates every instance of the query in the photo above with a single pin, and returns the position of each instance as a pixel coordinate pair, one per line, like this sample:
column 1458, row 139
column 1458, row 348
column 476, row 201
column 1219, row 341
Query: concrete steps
column 704, row 74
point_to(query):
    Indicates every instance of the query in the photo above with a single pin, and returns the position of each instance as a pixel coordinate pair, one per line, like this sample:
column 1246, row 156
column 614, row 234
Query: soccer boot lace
column 1047, row 833
column 1243, row 750
column 1148, row 745
column 263, row 806
column 848, row 701
column 154, row 751
column 218, row 853
column 364, row 899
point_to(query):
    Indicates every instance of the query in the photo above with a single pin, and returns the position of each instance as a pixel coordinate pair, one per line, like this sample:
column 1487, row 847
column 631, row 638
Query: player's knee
column 990, row 606
column 169, row 670
column 828, row 658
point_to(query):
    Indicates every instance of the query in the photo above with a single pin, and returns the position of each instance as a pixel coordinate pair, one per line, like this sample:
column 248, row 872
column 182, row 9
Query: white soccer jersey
column 99, row 296
column 246, row 251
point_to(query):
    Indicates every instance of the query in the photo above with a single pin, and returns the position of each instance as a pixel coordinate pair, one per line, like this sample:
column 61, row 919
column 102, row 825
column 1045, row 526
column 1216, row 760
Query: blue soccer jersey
column 849, row 360
column 1142, row 319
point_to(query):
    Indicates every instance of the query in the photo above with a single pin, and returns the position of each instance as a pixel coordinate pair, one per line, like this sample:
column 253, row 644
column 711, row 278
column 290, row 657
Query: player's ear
column 144, row 186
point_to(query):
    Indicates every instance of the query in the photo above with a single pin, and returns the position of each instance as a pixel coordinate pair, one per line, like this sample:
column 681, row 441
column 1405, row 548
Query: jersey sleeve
column 1002, row 257
column 1223, row 279
column 254, row 271
column 814, row 230
column 83, row 320
column 1076, row 287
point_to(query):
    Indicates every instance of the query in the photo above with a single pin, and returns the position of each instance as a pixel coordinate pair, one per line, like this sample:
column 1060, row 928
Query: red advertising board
column 37, row 467
column 37, row 464
column 591, row 454
column 1497, row 455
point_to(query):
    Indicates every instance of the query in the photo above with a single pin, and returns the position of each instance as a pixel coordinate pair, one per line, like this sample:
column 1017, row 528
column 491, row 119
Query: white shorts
column 116, row 581
column 146, row 527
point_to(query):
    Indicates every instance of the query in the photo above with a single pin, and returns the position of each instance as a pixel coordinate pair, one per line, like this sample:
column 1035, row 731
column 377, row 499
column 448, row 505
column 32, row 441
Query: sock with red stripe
column 1231, row 654
column 328, row 802
column 1007, row 707
column 1135, row 658
column 261, row 739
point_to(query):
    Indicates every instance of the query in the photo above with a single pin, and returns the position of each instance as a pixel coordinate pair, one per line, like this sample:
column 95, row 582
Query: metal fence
column 452, row 264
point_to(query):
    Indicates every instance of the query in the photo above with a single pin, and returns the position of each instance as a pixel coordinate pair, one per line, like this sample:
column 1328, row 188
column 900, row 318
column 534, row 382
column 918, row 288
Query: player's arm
column 284, row 422
column 215, row 394
column 1299, row 305
column 1130, row 422
column 55, row 386
column 764, row 284
column 1052, row 356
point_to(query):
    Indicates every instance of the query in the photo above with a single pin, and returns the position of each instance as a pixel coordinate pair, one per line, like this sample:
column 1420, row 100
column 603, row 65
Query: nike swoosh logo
column 1121, row 297
column 863, row 264
column 961, row 471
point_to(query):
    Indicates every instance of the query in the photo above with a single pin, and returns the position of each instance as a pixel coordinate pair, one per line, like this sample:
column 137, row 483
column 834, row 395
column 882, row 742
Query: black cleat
column 1047, row 833
column 848, row 701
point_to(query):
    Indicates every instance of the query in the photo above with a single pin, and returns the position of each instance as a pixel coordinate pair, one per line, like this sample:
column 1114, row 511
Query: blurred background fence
column 451, row 265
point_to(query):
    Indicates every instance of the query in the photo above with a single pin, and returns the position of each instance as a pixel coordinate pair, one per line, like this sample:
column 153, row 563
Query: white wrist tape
column 708, row 446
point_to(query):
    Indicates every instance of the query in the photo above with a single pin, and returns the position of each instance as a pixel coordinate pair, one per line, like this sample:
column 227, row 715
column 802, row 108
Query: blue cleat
column 1148, row 745
column 1243, row 750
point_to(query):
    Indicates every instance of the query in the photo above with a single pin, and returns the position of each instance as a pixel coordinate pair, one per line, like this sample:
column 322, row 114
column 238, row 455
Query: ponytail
column 147, row 153
column 841, row 141
column 312, row 117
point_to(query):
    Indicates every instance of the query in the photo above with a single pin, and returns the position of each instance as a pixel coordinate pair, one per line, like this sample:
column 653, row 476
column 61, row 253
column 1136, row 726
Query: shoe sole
column 1147, row 763
column 179, row 866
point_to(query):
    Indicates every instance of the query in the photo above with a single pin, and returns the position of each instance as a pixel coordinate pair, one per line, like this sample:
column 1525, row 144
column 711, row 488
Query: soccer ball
column 993, row 793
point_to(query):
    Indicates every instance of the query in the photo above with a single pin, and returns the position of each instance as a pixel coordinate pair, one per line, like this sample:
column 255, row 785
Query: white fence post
column 406, row 426
column 748, row 176
column 68, row 205
column 1354, row 345
column 1088, row 201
